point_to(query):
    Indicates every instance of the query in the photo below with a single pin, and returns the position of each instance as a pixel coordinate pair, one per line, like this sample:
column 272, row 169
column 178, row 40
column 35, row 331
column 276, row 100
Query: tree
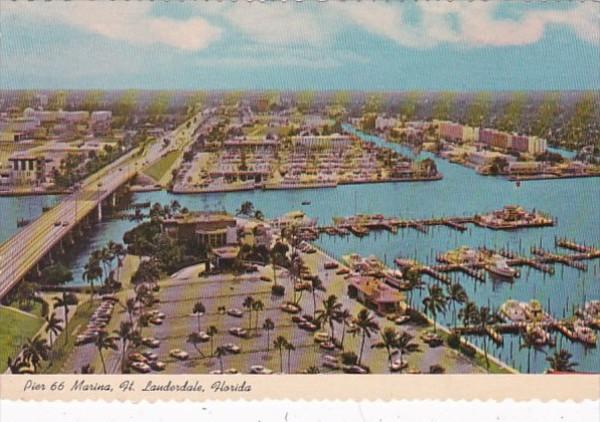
column 413, row 279
column 456, row 294
column 367, row 325
column 53, row 327
column 528, row 342
column 483, row 319
column 219, row 353
column 388, row 341
column 316, row 284
column 435, row 302
column 17, row 365
column 56, row 275
column 126, row 334
column 211, row 332
column 257, row 306
column 469, row 314
column 194, row 339
column 248, row 302
column 66, row 300
column 280, row 343
column 331, row 307
column 198, row 310
column 247, row 209
column 405, row 345
column 561, row 361
column 92, row 272
column 346, row 318
column 104, row 341
column 290, row 348
column 35, row 351
column 268, row 326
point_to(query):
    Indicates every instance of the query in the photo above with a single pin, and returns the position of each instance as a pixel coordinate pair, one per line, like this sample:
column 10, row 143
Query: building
column 376, row 295
column 100, row 122
column 27, row 169
column 537, row 145
column 384, row 123
column 519, row 143
column 208, row 229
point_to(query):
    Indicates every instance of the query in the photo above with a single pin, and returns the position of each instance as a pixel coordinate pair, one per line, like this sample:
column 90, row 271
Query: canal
column 573, row 202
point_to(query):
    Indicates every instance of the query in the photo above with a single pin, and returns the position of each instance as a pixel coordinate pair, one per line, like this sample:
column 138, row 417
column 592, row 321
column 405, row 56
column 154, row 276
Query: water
column 573, row 202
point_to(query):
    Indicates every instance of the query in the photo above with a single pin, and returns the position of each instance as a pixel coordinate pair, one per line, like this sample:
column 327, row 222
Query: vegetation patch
column 158, row 170
column 15, row 329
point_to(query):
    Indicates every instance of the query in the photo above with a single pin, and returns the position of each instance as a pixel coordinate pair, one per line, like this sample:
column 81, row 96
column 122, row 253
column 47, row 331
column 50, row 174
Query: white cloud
column 130, row 22
column 468, row 23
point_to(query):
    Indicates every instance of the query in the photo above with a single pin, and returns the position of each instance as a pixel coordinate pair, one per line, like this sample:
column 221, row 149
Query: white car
column 321, row 337
column 235, row 312
column 331, row 362
column 140, row 367
column 232, row 348
column 179, row 354
column 238, row 332
column 150, row 342
column 396, row 365
column 259, row 369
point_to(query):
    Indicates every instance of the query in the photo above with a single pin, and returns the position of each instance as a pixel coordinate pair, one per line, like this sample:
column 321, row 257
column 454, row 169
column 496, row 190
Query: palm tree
column 367, row 325
column 92, row 271
column 456, row 294
column 435, row 302
column 268, row 325
column 124, row 333
column 561, row 361
column 289, row 347
column 175, row 205
column 87, row 369
column 219, row 353
column 280, row 343
column 130, row 305
column 247, row 209
column 194, row 339
column 414, row 282
column 53, row 327
column 528, row 342
column 469, row 314
column 104, row 342
column 257, row 306
column 248, row 302
column 212, row 330
column 405, row 345
column 118, row 251
column 65, row 300
column 35, row 351
column 346, row 317
column 198, row 310
column 331, row 307
column 313, row 370
column 389, row 340
column 483, row 319
column 316, row 284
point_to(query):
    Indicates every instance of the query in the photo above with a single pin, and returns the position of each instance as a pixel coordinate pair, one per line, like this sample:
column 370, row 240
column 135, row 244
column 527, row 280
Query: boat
column 305, row 202
column 502, row 269
column 343, row 231
column 359, row 231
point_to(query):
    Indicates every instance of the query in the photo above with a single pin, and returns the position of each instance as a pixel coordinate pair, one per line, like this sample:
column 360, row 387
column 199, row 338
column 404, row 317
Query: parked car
column 396, row 365
column 259, row 369
column 235, row 312
column 157, row 365
column 140, row 367
column 238, row 332
column 354, row 369
column 150, row 355
column 179, row 354
column 136, row 357
column 232, row 348
column 321, row 337
column 150, row 342
column 290, row 308
column 331, row 362
column 327, row 345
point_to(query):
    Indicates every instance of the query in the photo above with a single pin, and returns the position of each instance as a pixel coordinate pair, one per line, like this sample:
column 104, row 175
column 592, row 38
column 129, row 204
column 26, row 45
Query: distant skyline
column 456, row 46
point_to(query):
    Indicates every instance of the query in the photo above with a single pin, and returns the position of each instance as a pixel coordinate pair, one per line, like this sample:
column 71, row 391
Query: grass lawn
column 16, row 327
column 162, row 166
column 62, row 350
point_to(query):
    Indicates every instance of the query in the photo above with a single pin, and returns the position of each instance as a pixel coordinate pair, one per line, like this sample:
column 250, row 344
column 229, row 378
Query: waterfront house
column 376, row 295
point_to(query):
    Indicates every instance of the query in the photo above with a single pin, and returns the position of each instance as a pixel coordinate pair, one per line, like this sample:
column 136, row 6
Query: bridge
column 22, row 252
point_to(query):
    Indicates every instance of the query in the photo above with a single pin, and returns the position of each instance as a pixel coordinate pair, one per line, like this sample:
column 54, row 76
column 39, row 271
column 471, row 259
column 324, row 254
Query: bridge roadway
column 20, row 253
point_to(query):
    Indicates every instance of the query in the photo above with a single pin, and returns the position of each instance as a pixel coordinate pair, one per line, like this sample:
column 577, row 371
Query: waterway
column 573, row 202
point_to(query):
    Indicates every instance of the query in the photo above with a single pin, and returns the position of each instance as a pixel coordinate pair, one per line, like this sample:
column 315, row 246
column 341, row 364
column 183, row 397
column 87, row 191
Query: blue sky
column 309, row 45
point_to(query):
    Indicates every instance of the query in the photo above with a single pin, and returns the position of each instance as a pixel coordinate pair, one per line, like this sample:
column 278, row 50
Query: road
column 20, row 253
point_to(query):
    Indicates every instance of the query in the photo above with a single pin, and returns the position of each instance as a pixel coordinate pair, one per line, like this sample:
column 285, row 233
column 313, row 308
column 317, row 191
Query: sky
column 309, row 45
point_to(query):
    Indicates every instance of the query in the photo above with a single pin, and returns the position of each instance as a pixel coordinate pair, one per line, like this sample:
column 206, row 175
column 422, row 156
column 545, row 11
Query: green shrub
column 468, row 350
column 453, row 340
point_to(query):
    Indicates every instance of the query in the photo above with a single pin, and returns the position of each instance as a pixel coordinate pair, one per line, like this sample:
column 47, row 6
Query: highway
column 20, row 253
